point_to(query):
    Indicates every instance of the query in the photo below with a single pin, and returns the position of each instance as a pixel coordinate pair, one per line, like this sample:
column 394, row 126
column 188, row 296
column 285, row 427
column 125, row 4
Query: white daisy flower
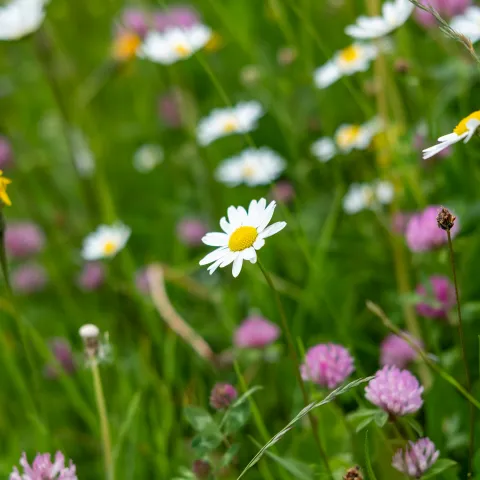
column 20, row 17
column 349, row 137
column 241, row 118
column 468, row 23
column 244, row 234
column 361, row 196
column 355, row 58
column 254, row 166
column 174, row 44
column 105, row 242
column 463, row 131
column 147, row 157
column 394, row 15
column 324, row 149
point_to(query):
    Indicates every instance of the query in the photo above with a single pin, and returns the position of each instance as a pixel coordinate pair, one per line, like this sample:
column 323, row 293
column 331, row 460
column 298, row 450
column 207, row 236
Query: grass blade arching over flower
column 244, row 232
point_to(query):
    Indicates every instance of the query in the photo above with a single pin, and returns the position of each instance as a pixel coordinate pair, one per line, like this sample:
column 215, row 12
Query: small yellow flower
column 125, row 46
column 215, row 43
column 4, row 198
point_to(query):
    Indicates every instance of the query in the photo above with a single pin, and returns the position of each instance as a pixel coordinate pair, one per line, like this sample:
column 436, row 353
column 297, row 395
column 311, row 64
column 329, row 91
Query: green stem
column 102, row 414
column 3, row 254
column 464, row 355
column 296, row 366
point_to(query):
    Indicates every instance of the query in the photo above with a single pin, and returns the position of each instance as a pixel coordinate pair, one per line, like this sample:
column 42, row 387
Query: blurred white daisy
column 82, row 154
column 346, row 138
column 243, row 234
column 355, row 58
column 361, row 196
column 241, row 118
column 254, row 166
column 20, row 17
column 468, row 23
column 105, row 242
column 394, row 15
column 174, row 44
column 463, row 131
column 147, row 157
column 323, row 149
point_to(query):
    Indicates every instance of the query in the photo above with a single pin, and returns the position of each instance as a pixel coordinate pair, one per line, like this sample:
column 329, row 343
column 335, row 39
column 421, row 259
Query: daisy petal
column 272, row 229
column 214, row 266
column 229, row 258
column 237, row 266
column 214, row 256
column 249, row 253
column 259, row 243
column 215, row 239
column 266, row 217
column 225, row 226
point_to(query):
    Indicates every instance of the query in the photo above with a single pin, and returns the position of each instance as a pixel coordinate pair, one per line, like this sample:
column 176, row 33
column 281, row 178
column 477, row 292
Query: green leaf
column 439, row 466
column 368, row 460
column 247, row 394
column 381, row 418
column 305, row 411
column 228, row 456
column 208, row 440
column 236, row 418
column 414, row 424
column 364, row 423
column 362, row 417
column 197, row 417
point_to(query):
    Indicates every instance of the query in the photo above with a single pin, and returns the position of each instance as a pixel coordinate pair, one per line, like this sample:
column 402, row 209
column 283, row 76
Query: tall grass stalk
column 296, row 366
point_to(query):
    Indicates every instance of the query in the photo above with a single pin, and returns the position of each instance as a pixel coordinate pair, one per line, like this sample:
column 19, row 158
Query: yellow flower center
column 126, row 45
column 350, row 54
column 248, row 171
column 348, row 135
column 230, row 125
column 182, row 50
column 109, row 247
column 242, row 238
column 461, row 128
column 4, row 198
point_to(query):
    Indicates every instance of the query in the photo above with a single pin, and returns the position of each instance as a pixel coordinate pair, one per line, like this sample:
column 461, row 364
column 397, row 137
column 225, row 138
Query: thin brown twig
column 156, row 283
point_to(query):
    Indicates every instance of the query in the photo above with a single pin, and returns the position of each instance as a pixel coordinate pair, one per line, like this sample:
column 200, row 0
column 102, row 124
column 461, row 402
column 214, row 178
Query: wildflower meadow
column 239, row 239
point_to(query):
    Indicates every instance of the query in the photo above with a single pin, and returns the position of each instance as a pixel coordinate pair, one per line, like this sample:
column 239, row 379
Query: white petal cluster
column 21, row 17
column 347, row 138
column 394, row 15
column 174, row 44
column 244, row 232
column 361, row 196
column 355, row 58
column 241, row 118
column 147, row 157
column 254, row 166
column 468, row 23
column 105, row 242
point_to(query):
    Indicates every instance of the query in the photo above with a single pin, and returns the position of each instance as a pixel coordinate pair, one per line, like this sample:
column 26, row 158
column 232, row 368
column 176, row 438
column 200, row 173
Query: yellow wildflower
column 4, row 198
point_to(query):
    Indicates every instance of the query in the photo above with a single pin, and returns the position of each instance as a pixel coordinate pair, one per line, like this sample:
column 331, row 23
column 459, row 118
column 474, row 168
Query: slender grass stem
column 102, row 414
column 296, row 366
column 3, row 254
column 464, row 355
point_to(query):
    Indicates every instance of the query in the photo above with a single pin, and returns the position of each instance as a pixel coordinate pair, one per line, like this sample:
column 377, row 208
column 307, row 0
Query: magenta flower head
column 190, row 231
column 6, row 156
column 29, row 278
column 397, row 351
column 43, row 468
column 91, row 277
column 423, row 234
column 141, row 281
column 446, row 8
column 395, row 391
column 23, row 239
column 62, row 352
column 283, row 192
column 416, row 459
column 222, row 396
column 438, row 297
column 135, row 20
column 399, row 222
column 327, row 365
column 255, row 332
column 181, row 16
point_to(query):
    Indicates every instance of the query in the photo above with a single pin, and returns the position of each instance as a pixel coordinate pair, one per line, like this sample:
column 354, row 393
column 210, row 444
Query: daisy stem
column 102, row 414
column 296, row 366
column 464, row 353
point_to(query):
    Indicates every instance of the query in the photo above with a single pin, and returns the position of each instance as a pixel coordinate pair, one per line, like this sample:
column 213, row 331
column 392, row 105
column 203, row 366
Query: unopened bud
column 90, row 334
column 445, row 219
column 222, row 396
column 353, row 474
